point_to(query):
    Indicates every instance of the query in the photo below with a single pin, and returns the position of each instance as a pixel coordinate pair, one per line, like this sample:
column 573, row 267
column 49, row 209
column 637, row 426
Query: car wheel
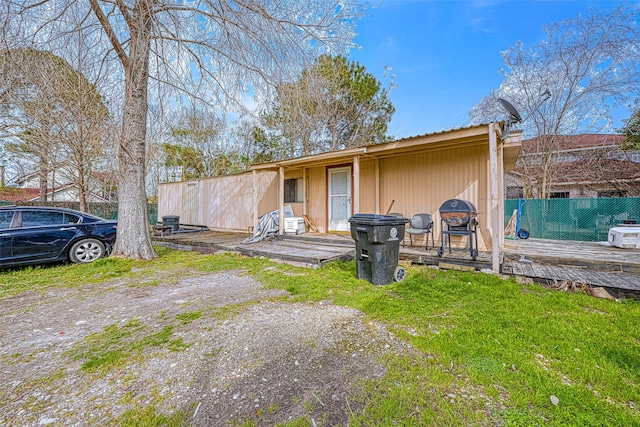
column 86, row 251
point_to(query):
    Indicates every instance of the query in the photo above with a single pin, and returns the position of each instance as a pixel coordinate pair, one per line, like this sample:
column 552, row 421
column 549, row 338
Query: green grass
column 117, row 344
column 105, row 270
column 519, row 344
column 149, row 417
column 109, row 348
column 189, row 317
column 489, row 351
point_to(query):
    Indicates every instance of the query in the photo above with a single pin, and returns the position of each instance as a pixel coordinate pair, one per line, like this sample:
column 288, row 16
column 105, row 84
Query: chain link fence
column 587, row 220
column 103, row 210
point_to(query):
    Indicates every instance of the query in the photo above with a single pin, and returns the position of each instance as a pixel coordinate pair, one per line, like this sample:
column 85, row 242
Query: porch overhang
column 463, row 137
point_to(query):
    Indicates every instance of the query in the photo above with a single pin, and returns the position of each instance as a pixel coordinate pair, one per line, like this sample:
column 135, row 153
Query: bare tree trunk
column 42, row 177
column 82, row 184
column 545, row 175
column 43, row 159
column 133, row 239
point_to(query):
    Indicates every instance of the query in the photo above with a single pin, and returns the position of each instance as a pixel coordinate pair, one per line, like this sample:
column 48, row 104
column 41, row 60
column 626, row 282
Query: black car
column 37, row 235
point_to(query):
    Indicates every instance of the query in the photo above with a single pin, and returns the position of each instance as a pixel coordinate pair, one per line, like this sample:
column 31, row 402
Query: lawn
column 489, row 351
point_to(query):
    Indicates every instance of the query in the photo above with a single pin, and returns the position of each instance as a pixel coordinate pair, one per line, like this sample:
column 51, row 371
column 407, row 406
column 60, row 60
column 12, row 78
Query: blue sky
column 445, row 54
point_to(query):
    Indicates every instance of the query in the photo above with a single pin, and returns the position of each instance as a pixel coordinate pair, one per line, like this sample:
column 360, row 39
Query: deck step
column 338, row 240
column 450, row 262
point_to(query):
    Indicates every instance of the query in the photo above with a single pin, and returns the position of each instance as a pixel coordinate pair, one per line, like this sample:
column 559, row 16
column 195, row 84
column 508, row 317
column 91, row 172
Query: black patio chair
column 420, row 224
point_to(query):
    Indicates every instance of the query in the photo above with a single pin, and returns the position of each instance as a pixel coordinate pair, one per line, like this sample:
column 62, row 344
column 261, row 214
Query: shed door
column 339, row 199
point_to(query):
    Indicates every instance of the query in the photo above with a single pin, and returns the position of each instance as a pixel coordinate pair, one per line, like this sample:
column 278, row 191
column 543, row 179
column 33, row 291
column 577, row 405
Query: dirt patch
column 243, row 353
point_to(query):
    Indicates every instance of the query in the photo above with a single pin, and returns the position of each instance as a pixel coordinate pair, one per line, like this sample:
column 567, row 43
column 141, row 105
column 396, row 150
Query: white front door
column 339, row 198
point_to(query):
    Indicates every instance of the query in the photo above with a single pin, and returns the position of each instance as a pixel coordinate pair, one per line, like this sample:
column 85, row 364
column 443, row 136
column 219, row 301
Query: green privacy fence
column 586, row 220
column 103, row 210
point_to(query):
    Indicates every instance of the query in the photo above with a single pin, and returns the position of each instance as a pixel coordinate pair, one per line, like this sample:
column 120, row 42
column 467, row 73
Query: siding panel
column 191, row 203
column 420, row 183
column 224, row 202
column 317, row 197
column 169, row 199
column 367, row 186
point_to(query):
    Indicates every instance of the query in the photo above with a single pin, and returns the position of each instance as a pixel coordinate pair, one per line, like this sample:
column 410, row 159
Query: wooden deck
column 591, row 255
column 592, row 263
column 618, row 270
column 318, row 250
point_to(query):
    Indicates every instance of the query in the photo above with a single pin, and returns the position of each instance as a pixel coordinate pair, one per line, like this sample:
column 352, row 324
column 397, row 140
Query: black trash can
column 171, row 221
column 377, row 240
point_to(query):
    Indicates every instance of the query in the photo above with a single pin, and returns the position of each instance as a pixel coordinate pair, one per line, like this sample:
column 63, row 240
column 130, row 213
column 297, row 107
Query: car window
column 5, row 219
column 71, row 219
column 36, row 219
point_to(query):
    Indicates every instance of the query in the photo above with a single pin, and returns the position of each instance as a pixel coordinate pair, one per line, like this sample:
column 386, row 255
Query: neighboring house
column 13, row 195
column 581, row 166
column 411, row 175
column 60, row 188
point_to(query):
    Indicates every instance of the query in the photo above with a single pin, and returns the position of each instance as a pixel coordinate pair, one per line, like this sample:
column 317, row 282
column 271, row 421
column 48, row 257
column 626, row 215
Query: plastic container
column 294, row 225
column 377, row 239
column 171, row 221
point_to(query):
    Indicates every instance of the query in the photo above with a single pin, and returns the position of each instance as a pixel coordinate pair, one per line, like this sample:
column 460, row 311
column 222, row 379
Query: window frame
column 293, row 190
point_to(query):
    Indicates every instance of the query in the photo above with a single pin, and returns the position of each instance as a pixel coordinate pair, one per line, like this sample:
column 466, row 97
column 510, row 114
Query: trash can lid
column 377, row 219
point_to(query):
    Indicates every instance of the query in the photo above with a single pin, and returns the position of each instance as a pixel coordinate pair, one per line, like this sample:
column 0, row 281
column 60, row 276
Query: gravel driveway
column 243, row 353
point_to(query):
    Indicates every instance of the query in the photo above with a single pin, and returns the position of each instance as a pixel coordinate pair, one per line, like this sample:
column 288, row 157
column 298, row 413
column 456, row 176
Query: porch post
column 356, row 184
column 376, row 163
column 495, row 199
column 304, row 191
column 281, row 199
column 256, row 221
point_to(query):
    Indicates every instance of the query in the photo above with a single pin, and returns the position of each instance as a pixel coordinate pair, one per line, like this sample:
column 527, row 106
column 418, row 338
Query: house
column 579, row 166
column 61, row 188
column 411, row 175
column 13, row 195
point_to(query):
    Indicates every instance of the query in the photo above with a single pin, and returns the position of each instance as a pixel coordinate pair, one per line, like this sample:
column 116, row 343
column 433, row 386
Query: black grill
column 458, row 218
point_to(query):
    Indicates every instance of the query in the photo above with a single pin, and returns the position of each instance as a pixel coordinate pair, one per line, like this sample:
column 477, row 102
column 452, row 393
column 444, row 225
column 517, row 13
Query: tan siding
column 297, row 208
column 267, row 192
column 224, row 202
column 317, row 197
column 293, row 174
column 235, row 196
column 422, row 182
column 415, row 183
column 170, row 199
column 191, row 213
column 367, row 186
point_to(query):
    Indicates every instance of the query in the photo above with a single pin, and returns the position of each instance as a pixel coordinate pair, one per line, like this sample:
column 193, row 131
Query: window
column 40, row 219
column 293, row 190
column 37, row 219
column 5, row 219
column 559, row 195
column 71, row 219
